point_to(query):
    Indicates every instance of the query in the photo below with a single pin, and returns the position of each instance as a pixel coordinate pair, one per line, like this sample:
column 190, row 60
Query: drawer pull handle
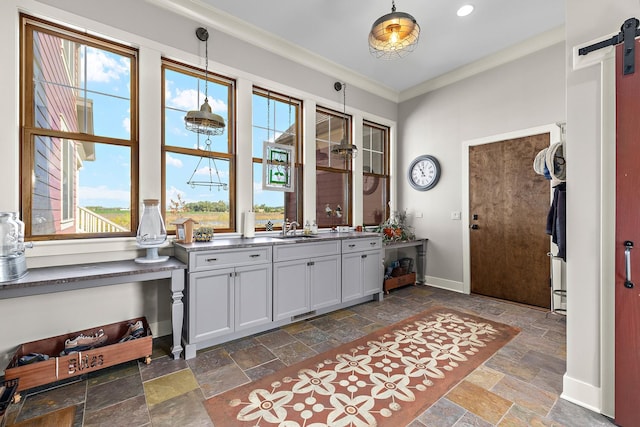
column 211, row 259
column 363, row 256
column 311, row 263
column 254, row 255
column 352, row 245
column 373, row 243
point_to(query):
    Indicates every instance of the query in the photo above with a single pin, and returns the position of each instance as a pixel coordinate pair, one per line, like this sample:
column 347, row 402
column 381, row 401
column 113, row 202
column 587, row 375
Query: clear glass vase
column 151, row 231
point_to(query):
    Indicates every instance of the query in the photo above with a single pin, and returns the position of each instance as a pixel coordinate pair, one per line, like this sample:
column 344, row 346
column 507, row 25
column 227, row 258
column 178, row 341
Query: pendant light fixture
column 344, row 149
column 203, row 121
column 393, row 35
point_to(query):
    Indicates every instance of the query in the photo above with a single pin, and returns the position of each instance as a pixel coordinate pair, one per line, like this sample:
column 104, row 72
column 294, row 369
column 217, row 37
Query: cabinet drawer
column 305, row 250
column 363, row 244
column 206, row 260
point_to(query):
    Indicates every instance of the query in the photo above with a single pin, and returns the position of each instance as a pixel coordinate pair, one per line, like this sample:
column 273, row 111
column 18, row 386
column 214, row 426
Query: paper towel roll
column 249, row 229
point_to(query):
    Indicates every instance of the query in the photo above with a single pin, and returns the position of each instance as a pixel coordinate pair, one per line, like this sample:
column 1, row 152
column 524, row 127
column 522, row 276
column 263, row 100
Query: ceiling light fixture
column 203, row 120
column 393, row 35
column 344, row 149
column 465, row 10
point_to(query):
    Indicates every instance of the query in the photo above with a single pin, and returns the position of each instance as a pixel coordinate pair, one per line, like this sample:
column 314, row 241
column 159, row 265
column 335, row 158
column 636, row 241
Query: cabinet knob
column 363, row 256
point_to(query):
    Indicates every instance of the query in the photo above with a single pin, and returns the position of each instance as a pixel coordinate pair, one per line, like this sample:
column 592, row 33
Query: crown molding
column 202, row 12
column 527, row 47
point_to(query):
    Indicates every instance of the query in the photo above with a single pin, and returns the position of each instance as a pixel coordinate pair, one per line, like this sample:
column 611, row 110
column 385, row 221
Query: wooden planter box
column 396, row 282
column 63, row 367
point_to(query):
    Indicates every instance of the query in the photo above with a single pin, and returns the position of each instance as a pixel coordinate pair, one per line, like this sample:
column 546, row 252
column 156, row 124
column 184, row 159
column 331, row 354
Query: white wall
column 525, row 93
column 161, row 33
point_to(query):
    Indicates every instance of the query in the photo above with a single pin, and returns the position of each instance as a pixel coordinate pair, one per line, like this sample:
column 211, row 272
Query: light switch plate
column 457, row 215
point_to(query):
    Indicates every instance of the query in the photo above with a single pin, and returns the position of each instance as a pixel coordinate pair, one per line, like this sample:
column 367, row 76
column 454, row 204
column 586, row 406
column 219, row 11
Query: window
column 375, row 173
column 276, row 118
column 79, row 175
column 198, row 179
column 333, row 172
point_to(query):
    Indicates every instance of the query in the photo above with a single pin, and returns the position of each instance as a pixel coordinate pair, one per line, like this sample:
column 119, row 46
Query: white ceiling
column 337, row 31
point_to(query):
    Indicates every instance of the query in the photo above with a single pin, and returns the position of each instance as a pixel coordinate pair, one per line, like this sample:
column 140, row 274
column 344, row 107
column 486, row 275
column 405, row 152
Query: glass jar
column 151, row 231
column 10, row 234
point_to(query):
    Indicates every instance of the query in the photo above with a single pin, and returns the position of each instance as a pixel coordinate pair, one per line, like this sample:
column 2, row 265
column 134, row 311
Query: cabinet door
column 372, row 272
column 290, row 289
column 324, row 276
column 211, row 302
column 253, row 293
column 351, row 276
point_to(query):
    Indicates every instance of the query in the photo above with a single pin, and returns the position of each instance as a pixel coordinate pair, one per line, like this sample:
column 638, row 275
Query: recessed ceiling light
column 465, row 10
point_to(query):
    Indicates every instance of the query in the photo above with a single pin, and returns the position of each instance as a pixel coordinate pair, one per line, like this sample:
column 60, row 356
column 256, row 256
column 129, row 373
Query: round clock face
column 424, row 172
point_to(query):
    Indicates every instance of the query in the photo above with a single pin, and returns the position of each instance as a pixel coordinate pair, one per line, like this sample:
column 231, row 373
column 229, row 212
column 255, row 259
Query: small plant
column 203, row 234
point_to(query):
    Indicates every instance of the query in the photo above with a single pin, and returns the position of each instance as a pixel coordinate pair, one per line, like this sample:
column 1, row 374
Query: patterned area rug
column 386, row 378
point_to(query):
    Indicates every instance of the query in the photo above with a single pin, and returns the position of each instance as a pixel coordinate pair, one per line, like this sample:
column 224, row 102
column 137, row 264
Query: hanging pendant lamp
column 394, row 35
column 203, row 121
column 344, row 149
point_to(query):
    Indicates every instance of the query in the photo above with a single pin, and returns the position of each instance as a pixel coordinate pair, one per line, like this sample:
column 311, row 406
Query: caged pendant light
column 393, row 35
column 344, row 149
column 203, row 121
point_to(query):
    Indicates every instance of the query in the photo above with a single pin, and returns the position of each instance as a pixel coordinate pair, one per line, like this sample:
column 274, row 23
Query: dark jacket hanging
column 556, row 219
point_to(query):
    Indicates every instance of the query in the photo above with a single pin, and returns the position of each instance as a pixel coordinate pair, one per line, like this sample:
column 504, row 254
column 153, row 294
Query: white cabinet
column 227, row 291
column 361, row 268
column 306, row 277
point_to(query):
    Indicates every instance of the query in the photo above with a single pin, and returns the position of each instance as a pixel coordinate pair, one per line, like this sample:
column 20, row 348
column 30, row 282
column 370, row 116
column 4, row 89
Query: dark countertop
column 110, row 271
column 241, row 242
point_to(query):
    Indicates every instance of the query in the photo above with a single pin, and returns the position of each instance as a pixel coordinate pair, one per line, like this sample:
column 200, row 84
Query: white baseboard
column 581, row 393
column 449, row 285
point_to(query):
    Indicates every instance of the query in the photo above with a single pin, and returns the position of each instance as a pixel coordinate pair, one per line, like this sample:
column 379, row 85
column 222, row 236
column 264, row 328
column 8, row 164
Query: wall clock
column 424, row 172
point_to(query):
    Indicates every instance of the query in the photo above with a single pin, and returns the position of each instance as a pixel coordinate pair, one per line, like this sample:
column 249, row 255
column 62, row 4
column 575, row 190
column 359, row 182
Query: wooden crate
column 396, row 282
column 63, row 367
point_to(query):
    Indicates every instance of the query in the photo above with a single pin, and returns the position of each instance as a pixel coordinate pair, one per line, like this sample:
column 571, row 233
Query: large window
column 79, row 151
column 375, row 173
column 198, row 177
column 276, row 119
column 333, row 171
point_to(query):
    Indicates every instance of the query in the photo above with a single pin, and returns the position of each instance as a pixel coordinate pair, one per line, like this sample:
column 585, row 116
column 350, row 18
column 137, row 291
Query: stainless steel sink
column 297, row 236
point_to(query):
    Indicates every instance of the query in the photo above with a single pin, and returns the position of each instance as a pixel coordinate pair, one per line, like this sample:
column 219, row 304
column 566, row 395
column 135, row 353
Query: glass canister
column 13, row 264
column 151, row 231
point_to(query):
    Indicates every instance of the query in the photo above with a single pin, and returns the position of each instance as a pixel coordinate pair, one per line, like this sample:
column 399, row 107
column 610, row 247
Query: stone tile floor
column 518, row 386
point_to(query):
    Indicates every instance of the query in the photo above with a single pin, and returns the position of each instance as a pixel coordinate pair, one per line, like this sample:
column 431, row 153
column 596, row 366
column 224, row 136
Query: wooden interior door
column 508, row 207
column 627, row 305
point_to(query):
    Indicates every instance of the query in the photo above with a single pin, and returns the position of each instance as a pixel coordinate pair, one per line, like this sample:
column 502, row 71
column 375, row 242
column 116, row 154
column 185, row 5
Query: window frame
column 29, row 131
column 346, row 170
column 298, row 163
column 230, row 156
column 384, row 175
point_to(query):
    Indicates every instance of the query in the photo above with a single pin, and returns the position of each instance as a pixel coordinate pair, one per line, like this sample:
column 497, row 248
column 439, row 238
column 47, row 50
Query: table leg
column 421, row 262
column 177, row 311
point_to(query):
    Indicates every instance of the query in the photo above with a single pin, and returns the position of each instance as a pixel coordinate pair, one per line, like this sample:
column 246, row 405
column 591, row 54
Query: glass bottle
column 151, row 231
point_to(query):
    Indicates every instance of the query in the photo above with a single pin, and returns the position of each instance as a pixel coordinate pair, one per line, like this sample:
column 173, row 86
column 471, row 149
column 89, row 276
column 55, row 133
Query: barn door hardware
column 627, row 35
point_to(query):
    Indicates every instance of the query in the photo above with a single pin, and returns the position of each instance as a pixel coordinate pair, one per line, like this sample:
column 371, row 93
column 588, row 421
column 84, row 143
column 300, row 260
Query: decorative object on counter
column 396, row 228
column 203, row 234
column 151, row 231
column 184, row 229
column 268, row 226
column 314, row 227
column 394, row 35
column 12, row 260
column 345, row 149
column 203, row 121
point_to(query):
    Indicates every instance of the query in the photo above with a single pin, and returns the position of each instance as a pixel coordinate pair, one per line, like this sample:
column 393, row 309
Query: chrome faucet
column 291, row 227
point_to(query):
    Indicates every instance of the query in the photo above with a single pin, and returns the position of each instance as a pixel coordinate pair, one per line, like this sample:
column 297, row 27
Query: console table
column 47, row 280
column 420, row 246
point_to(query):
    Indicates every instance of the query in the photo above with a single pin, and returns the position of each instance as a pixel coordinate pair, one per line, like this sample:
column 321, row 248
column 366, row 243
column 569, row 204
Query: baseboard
column 449, row 285
column 581, row 393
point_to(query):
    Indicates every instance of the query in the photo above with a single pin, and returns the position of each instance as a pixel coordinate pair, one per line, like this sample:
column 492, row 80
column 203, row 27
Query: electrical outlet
column 456, row 215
